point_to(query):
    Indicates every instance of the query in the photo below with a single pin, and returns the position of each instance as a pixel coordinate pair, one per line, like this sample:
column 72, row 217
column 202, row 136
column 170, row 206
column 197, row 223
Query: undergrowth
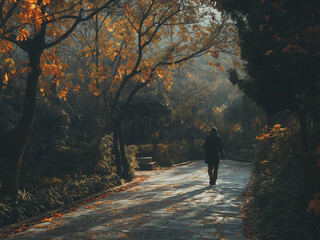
column 54, row 193
column 284, row 186
column 69, row 180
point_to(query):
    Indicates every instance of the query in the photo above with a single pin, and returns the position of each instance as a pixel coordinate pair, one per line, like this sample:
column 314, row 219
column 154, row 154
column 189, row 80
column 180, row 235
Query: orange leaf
column 268, row 52
column 23, row 35
column 77, row 88
column 264, row 162
column 286, row 49
column 6, row 78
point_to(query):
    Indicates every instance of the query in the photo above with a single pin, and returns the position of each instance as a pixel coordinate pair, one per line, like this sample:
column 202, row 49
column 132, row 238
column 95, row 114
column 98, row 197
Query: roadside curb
column 239, row 159
column 27, row 223
column 181, row 164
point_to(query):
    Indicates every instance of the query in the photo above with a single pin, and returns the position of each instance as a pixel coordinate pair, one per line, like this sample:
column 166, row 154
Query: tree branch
column 78, row 20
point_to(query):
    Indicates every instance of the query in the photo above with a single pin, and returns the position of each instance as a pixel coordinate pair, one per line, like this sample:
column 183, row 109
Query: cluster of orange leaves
column 275, row 130
column 53, row 67
column 29, row 17
column 119, row 31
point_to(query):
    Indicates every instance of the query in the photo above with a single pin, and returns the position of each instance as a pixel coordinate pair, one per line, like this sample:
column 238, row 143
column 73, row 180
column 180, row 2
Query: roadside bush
column 165, row 155
column 162, row 155
column 107, row 163
column 107, row 160
column 145, row 150
column 57, row 193
column 67, row 160
column 284, row 186
column 131, row 152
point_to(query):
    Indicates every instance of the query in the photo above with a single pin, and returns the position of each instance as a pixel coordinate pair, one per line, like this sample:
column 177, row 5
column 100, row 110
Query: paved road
column 171, row 204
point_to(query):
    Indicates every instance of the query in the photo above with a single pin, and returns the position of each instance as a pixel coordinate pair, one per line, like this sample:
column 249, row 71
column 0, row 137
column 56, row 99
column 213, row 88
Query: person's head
column 213, row 131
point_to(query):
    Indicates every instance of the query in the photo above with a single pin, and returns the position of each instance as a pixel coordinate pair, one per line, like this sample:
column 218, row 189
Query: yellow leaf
column 6, row 78
column 23, row 35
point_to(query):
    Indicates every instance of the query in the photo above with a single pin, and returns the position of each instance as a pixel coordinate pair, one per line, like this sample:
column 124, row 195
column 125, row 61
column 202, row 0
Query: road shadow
column 84, row 223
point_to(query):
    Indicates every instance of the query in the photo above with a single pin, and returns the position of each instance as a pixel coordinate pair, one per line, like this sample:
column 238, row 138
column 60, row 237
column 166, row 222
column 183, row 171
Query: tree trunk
column 124, row 160
column 116, row 151
column 22, row 132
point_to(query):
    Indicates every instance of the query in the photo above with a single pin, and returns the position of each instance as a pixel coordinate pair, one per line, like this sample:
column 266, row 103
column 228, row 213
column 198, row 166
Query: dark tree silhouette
column 280, row 43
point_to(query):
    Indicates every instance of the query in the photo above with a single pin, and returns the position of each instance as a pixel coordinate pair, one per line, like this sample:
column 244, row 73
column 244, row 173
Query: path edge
column 5, row 230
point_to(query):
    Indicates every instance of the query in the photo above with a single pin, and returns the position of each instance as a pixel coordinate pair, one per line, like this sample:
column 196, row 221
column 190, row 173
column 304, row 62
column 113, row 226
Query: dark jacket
column 213, row 147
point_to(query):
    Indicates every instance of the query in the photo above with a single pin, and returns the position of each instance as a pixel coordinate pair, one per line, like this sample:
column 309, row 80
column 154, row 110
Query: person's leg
column 215, row 173
column 210, row 168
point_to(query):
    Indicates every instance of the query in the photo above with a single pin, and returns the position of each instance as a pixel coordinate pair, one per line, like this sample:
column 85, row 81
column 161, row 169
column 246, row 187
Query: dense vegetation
column 280, row 45
column 83, row 94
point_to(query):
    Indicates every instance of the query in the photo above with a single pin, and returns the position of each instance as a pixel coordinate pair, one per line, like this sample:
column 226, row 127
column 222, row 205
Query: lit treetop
column 144, row 40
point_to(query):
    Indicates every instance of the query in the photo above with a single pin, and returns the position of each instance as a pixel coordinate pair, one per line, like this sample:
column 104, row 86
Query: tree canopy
column 280, row 45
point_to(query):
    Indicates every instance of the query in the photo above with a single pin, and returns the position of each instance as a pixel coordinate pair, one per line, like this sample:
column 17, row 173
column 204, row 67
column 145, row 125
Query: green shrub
column 106, row 164
column 145, row 150
column 165, row 155
column 131, row 152
column 65, row 160
column 162, row 155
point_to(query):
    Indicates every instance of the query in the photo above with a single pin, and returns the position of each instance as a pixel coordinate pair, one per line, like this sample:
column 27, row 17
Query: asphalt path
column 176, row 203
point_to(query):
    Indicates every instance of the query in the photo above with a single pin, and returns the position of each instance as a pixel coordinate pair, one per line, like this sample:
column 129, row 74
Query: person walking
column 213, row 148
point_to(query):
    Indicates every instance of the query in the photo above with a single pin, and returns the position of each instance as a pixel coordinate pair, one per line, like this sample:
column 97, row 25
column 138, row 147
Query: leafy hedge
column 165, row 155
